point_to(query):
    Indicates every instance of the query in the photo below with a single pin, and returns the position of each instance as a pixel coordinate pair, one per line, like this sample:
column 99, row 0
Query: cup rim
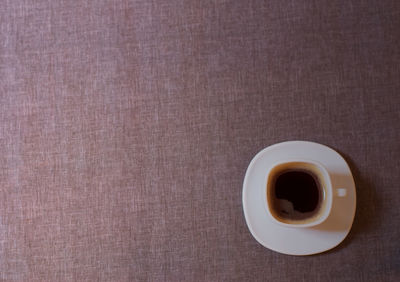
column 329, row 196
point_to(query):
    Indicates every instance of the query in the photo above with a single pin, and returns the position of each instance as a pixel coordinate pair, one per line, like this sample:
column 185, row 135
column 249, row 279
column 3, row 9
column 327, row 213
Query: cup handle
column 341, row 192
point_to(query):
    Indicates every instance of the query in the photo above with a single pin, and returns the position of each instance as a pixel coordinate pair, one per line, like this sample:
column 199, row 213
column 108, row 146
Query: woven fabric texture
column 126, row 128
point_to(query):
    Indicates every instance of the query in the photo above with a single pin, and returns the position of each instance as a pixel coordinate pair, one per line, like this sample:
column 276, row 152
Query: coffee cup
column 299, row 193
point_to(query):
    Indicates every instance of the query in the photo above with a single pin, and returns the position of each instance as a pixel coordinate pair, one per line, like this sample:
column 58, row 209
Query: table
column 126, row 128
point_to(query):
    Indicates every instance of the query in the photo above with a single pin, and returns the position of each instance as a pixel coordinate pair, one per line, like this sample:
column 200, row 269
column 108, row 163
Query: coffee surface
column 297, row 194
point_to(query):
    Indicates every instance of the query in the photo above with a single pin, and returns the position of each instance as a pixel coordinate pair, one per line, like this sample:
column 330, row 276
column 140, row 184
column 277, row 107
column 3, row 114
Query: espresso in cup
column 296, row 193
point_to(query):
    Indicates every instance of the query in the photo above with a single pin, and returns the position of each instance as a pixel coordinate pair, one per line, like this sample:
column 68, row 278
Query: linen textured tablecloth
column 126, row 128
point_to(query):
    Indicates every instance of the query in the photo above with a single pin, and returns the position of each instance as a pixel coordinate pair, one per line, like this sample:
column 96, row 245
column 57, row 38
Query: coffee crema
column 296, row 192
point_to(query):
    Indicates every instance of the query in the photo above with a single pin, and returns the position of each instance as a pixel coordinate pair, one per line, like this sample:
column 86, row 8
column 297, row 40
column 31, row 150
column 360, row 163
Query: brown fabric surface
column 126, row 128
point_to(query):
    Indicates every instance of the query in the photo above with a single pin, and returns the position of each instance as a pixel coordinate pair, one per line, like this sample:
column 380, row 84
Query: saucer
column 290, row 240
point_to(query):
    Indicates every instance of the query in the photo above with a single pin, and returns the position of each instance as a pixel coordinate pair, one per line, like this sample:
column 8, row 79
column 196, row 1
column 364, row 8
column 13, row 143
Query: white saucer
column 298, row 241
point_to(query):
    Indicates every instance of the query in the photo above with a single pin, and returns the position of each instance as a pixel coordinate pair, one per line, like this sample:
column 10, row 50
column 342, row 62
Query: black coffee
column 297, row 194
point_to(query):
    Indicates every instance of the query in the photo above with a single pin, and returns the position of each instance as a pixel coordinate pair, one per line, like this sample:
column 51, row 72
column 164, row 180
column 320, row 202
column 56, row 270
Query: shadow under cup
column 298, row 193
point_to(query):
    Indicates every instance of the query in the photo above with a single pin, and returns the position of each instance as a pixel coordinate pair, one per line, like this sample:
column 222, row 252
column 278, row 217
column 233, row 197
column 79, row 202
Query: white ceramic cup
column 323, row 179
